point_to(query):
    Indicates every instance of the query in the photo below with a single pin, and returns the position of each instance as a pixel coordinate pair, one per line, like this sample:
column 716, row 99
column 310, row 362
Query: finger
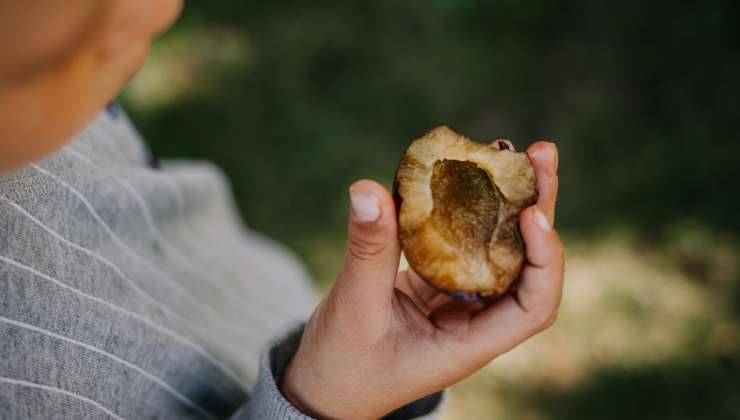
column 411, row 312
column 424, row 295
column 533, row 307
column 371, row 261
column 496, row 329
column 544, row 158
column 454, row 315
column 541, row 283
column 403, row 283
column 503, row 144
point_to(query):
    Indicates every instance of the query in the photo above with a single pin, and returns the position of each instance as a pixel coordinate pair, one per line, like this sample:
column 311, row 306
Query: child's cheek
column 43, row 113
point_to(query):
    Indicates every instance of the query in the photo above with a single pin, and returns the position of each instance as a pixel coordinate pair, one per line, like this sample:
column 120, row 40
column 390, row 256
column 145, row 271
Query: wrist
column 316, row 399
column 292, row 395
column 291, row 388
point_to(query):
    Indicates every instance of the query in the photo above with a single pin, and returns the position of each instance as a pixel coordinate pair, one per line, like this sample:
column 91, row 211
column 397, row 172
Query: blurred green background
column 295, row 100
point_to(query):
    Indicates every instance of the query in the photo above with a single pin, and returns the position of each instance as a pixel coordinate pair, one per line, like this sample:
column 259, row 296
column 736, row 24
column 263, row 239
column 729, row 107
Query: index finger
column 544, row 158
column 517, row 316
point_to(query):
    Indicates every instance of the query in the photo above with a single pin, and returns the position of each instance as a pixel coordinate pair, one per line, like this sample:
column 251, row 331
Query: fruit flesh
column 459, row 203
column 465, row 208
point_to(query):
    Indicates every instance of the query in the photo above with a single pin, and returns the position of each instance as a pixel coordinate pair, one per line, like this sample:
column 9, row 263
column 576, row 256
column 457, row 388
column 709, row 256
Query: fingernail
column 541, row 220
column 539, row 152
column 365, row 205
column 545, row 153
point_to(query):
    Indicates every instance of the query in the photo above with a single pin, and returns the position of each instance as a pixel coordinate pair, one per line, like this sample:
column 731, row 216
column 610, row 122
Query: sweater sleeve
column 267, row 403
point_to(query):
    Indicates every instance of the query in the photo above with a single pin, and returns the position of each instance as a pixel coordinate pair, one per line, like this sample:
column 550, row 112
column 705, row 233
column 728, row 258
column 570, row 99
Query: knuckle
column 362, row 248
column 542, row 320
column 552, row 318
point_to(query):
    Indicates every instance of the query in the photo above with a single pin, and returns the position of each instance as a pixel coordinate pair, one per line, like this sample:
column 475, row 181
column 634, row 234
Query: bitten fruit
column 458, row 204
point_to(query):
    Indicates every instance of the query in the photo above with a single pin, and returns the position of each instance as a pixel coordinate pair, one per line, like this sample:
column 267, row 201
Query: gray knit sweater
column 132, row 291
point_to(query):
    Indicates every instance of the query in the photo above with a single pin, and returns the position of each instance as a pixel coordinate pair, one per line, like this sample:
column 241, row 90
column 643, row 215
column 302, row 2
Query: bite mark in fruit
column 458, row 204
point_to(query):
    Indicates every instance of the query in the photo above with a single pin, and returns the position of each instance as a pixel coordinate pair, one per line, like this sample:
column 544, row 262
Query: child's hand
column 382, row 339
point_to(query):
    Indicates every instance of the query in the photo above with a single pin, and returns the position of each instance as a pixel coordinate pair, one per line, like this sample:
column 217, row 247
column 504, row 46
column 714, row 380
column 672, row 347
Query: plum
column 458, row 204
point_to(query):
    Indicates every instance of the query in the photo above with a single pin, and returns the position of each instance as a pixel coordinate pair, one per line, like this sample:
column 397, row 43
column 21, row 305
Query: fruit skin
column 458, row 204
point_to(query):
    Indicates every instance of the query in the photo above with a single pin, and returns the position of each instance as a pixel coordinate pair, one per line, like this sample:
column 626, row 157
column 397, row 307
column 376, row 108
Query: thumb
column 370, row 264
